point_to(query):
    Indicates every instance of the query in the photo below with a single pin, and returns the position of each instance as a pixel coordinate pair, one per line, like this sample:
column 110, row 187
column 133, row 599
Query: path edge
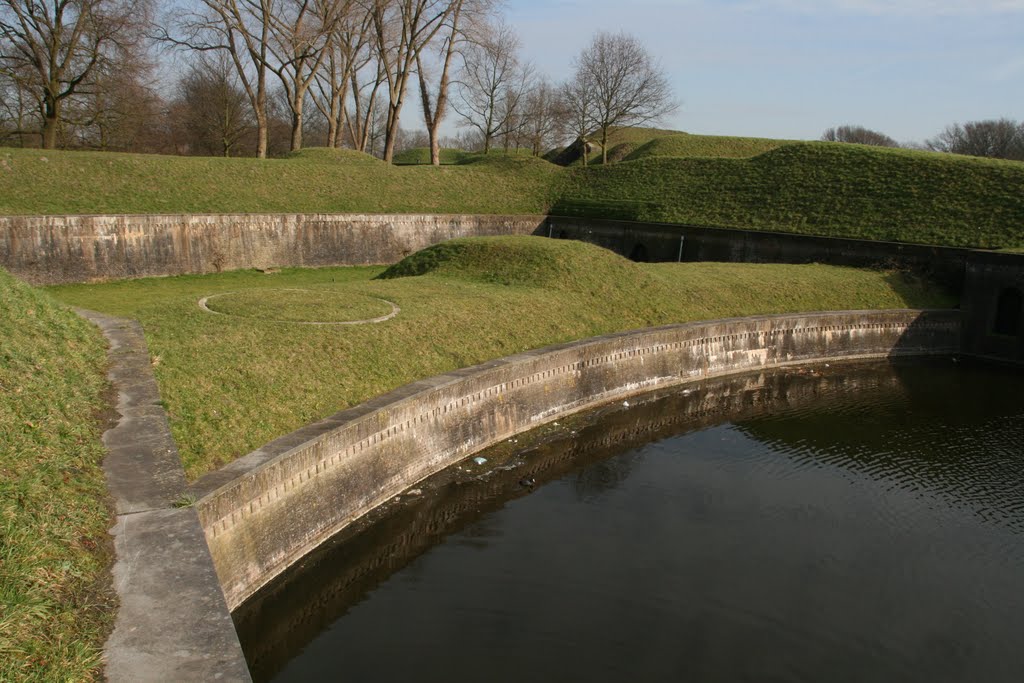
column 173, row 622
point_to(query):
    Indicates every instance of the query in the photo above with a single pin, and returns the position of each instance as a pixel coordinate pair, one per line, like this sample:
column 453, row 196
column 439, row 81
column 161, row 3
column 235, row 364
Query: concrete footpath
column 173, row 623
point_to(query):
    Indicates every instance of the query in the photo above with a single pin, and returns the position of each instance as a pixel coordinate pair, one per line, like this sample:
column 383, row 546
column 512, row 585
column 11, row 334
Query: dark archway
column 639, row 253
column 1008, row 312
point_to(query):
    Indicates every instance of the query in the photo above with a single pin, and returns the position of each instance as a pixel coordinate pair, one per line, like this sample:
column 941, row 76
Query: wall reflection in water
column 846, row 521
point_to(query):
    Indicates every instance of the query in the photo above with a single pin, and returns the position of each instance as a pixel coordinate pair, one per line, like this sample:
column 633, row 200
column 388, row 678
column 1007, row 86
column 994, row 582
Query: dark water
column 852, row 523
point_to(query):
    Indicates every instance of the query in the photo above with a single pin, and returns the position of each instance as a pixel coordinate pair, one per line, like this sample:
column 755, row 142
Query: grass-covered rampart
column 232, row 383
column 809, row 187
column 830, row 189
column 55, row 596
column 712, row 146
column 311, row 181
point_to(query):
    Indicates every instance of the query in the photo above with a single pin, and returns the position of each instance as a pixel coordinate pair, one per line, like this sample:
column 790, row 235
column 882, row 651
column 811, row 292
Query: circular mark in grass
column 301, row 306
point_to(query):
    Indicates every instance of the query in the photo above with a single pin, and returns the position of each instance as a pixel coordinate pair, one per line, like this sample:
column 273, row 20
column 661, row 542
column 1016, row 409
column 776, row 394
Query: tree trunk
column 51, row 122
column 604, row 146
column 296, row 130
column 394, row 112
column 297, row 107
column 262, row 125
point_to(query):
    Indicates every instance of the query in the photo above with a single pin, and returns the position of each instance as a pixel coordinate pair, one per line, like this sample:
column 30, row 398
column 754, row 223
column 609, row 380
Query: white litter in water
column 625, row 404
column 479, row 461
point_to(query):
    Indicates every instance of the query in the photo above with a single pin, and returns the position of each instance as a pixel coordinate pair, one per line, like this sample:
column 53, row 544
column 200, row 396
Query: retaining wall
column 46, row 250
column 677, row 242
column 264, row 512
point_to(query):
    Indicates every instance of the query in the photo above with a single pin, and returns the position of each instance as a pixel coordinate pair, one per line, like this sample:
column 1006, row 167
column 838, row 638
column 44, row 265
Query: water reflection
column 848, row 523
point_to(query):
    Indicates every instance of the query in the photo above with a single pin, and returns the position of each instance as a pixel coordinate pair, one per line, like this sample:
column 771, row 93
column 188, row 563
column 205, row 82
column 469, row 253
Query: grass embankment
column 421, row 155
column 815, row 188
column 713, row 146
column 832, row 189
column 55, row 599
column 233, row 383
column 311, row 181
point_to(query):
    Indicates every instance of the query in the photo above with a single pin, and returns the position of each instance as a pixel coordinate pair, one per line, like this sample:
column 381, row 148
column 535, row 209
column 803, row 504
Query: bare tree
column 491, row 83
column 858, row 135
column 628, row 87
column 347, row 55
column 118, row 109
column 301, row 32
column 242, row 29
column 435, row 105
column 995, row 138
column 212, row 111
column 578, row 102
column 402, row 29
column 51, row 48
column 18, row 113
column 544, row 117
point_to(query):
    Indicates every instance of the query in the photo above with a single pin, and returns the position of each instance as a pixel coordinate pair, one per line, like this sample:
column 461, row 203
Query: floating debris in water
column 415, row 492
column 625, row 404
column 480, row 461
column 528, row 482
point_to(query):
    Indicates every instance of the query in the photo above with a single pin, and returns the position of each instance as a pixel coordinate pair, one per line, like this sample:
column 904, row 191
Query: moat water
column 843, row 523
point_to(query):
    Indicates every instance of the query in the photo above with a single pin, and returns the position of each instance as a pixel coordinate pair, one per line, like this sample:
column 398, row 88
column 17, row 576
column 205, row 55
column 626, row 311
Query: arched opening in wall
column 563, row 235
column 1008, row 312
column 639, row 253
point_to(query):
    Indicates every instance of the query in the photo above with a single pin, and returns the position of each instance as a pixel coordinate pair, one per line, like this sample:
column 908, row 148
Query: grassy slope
column 314, row 180
column 624, row 141
column 55, row 608
column 818, row 188
column 231, row 384
column 421, row 155
column 720, row 146
column 812, row 188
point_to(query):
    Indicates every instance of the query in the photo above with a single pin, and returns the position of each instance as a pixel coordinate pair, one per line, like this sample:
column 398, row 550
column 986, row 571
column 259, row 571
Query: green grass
column 311, row 181
column 818, row 188
column 298, row 305
column 56, row 607
column 624, row 141
column 231, row 384
column 421, row 155
column 714, row 146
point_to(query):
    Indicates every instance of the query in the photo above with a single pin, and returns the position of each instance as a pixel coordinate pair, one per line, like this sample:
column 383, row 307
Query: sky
column 793, row 68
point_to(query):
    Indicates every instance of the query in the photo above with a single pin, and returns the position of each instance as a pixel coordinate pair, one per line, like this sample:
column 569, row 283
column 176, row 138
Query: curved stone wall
column 264, row 512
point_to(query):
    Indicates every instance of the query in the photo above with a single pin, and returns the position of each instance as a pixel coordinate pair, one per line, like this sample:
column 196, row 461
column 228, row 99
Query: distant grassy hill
column 55, row 601
column 804, row 187
column 421, row 155
column 623, row 141
column 816, row 188
column 687, row 145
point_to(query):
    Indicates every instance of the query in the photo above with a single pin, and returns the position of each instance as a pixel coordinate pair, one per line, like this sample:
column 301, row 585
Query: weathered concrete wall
column 46, row 250
column 264, row 512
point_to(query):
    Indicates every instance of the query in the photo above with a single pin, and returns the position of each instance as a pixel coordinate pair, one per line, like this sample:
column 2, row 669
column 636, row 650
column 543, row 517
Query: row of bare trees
column 993, row 138
column 81, row 73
